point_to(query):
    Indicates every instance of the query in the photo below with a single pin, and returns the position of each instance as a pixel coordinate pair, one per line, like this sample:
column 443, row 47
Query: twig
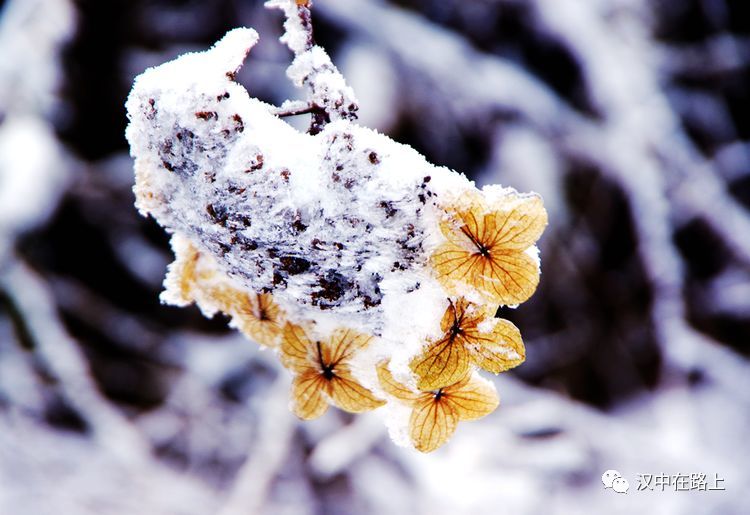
column 329, row 96
column 281, row 113
column 305, row 17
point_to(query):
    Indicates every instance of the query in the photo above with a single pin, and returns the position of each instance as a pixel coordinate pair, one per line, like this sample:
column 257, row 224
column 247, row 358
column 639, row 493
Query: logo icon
column 614, row 480
column 620, row 485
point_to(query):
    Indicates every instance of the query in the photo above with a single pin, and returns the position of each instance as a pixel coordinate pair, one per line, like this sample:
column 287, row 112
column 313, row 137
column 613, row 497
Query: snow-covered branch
column 329, row 98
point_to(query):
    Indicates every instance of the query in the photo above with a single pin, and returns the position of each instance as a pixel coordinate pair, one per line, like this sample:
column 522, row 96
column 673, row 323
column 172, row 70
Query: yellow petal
column 456, row 310
column 442, row 363
column 308, row 399
column 518, row 228
column 463, row 223
column 471, row 398
column 453, row 263
column 510, row 278
column 267, row 308
column 264, row 332
column 499, row 350
column 351, row 396
column 259, row 318
column 186, row 273
column 393, row 387
column 449, row 317
column 502, row 277
column 295, row 347
column 432, row 423
column 344, row 343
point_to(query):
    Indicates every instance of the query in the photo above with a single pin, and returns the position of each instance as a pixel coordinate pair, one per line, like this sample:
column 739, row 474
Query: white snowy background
column 628, row 116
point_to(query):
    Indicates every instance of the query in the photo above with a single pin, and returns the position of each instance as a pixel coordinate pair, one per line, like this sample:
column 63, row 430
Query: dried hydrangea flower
column 338, row 227
column 322, row 373
column 259, row 318
column 488, row 245
column 195, row 277
column 256, row 315
column 471, row 334
column 436, row 414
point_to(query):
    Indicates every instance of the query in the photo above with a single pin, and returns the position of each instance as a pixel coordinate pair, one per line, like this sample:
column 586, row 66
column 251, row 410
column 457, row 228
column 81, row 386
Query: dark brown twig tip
column 305, row 16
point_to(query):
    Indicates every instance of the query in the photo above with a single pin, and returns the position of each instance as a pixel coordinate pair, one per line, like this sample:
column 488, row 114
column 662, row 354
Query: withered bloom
column 470, row 335
column 341, row 227
column 486, row 248
column 322, row 373
column 195, row 277
column 257, row 316
column 436, row 414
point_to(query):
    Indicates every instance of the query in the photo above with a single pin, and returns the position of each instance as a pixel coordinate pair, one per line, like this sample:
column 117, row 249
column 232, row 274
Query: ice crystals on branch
column 337, row 248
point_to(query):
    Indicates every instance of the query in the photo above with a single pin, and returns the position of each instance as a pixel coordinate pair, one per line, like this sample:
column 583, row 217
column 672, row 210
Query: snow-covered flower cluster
column 374, row 274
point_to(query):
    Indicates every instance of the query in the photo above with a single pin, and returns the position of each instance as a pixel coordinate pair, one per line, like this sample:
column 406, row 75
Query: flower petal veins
column 308, row 400
column 295, row 347
column 259, row 318
column 436, row 414
column 499, row 350
column 442, row 363
column 393, row 387
column 432, row 423
column 350, row 396
column 322, row 373
column 449, row 359
column 471, row 398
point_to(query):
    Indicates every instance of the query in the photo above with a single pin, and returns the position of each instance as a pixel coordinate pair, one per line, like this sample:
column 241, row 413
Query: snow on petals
column 194, row 277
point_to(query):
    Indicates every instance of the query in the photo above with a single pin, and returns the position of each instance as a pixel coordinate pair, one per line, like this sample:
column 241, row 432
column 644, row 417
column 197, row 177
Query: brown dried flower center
column 328, row 372
column 483, row 251
column 326, row 369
